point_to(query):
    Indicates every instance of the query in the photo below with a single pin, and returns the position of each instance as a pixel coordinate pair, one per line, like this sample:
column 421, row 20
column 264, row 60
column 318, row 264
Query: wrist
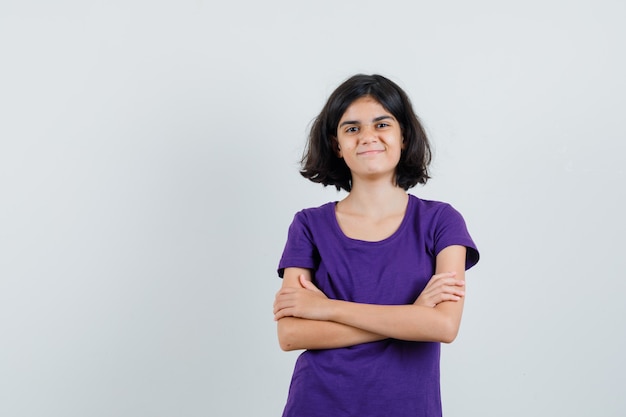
column 332, row 309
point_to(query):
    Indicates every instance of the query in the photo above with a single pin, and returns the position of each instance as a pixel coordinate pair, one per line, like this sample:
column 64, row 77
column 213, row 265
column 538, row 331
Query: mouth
column 370, row 152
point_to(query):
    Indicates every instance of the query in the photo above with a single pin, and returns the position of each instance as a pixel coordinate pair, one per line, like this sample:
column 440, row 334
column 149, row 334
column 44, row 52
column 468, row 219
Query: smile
column 370, row 152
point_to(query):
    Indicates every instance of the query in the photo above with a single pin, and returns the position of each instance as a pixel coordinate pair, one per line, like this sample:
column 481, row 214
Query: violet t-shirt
column 386, row 378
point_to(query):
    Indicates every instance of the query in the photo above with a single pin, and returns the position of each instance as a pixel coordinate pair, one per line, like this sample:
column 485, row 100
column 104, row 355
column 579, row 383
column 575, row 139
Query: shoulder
column 315, row 214
column 431, row 208
column 446, row 227
column 313, row 219
column 436, row 216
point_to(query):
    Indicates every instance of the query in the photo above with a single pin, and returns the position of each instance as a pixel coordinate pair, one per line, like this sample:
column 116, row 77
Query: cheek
column 344, row 145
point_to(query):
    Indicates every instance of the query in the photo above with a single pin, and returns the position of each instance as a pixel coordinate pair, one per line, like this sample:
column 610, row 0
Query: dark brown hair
column 320, row 162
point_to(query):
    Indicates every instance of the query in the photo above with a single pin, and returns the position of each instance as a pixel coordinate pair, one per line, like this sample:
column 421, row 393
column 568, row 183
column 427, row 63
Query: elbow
column 285, row 344
column 287, row 347
column 286, row 336
column 448, row 338
column 446, row 324
column 449, row 331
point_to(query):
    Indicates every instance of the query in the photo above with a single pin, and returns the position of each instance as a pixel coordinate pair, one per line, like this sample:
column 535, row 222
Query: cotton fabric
column 386, row 378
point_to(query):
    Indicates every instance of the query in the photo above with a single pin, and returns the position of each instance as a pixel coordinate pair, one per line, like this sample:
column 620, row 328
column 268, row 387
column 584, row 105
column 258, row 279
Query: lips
column 370, row 152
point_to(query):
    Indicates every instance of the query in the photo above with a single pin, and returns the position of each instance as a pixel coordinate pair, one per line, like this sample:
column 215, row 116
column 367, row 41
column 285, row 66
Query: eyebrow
column 356, row 122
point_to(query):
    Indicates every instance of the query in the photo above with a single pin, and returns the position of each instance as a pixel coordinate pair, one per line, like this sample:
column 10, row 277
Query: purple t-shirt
column 386, row 378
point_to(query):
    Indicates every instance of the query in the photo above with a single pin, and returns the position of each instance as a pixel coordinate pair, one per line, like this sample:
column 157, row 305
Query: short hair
column 320, row 162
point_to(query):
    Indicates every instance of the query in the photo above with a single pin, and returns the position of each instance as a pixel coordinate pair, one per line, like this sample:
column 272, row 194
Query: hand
column 307, row 302
column 441, row 287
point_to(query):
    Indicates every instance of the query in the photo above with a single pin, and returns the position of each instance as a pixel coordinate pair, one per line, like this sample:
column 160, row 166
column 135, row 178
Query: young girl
column 374, row 283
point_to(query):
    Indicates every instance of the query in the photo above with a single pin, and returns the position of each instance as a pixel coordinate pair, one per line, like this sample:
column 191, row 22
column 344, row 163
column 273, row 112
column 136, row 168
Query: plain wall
column 149, row 171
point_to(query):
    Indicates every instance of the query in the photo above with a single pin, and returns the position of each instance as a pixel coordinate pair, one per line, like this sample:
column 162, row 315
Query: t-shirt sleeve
column 300, row 250
column 452, row 230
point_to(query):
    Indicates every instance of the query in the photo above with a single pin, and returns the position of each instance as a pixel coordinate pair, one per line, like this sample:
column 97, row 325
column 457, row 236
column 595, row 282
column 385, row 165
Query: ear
column 336, row 147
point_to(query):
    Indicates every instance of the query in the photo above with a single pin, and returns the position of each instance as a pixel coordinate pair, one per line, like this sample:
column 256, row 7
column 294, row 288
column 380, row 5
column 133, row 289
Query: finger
column 451, row 287
column 281, row 314
column 308, row 284
column 444, row 283
column 283, row 301
column 285, row 291
column 451, row 281
column 439, row 277
column 445, row 297
column 448, row 274
column 276, row 308
column 280, row 306
column 452, row 290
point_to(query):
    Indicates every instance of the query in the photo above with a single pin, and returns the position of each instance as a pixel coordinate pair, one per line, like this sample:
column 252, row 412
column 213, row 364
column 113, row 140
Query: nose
column 368, row 134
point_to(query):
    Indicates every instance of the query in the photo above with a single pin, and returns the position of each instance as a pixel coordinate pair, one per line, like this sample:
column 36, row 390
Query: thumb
column 308, row 284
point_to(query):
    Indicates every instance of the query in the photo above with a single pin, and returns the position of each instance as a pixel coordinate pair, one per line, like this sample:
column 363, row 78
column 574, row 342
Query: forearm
column 296, row 333
column 404, row 322
column 309, row 320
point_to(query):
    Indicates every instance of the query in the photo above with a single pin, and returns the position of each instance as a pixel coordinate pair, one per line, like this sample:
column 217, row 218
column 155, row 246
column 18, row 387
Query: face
column 369, row 139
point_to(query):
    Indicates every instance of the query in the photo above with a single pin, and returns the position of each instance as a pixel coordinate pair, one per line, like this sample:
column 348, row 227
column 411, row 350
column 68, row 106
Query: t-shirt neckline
column 393, row 236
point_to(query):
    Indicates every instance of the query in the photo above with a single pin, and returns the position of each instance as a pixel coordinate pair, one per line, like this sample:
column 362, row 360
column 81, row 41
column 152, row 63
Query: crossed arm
column 307, row 319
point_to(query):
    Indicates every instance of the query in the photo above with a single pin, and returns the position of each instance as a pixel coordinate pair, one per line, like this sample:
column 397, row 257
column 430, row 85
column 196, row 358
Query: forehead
column 364, row 107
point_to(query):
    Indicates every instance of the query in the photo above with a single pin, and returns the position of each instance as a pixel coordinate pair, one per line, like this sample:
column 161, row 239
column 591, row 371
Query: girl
column 374, row 283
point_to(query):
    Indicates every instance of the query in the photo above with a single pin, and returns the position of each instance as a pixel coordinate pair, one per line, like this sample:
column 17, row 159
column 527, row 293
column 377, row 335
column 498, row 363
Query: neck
column 376, row 199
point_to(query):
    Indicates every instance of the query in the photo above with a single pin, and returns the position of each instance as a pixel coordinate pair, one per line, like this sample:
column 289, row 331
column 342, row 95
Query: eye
column 382, row 125
column 352, row 129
